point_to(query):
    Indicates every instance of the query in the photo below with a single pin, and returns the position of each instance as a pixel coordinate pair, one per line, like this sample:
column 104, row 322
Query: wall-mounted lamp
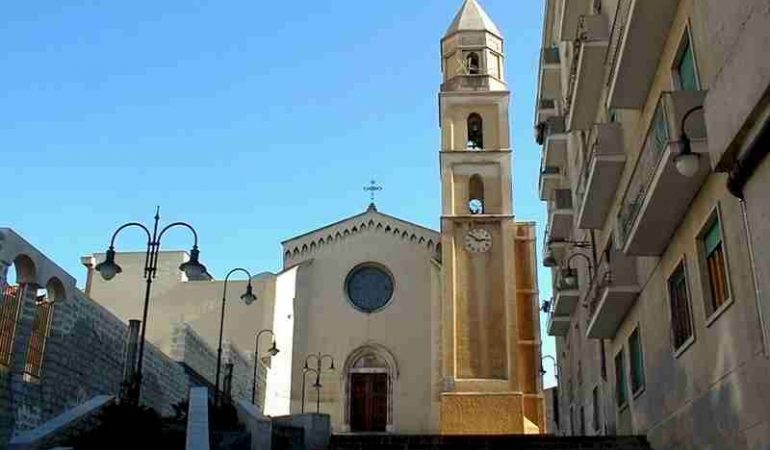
column 687, row 163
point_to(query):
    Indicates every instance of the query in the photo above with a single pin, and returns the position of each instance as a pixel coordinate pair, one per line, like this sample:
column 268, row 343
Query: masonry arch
column 475, row 125
column 476, row 195
column 371, row 379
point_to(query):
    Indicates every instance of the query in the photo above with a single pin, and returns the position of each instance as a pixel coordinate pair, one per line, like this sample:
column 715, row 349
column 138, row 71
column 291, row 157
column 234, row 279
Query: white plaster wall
column 174, row 300
column 327, row 323
column 278, row 396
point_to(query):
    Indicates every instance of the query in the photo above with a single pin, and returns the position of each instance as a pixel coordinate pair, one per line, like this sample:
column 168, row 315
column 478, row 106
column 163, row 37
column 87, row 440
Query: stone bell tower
column 490, row 334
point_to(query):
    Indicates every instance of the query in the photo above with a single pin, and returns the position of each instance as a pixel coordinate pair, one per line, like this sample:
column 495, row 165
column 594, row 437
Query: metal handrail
column 653, row 149
column 619, row 23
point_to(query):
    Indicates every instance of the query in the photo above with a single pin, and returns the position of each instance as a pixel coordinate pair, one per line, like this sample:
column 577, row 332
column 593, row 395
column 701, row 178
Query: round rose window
column 369, row 287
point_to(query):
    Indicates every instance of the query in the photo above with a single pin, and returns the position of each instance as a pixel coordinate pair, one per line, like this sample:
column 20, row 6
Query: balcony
column 658, row 196
column 639, row 34
column 555, row 145
column 546, row 109
column 550, row 179
column 560, row 214
column 601, row 174
column 612, row 294
column 550, row 74
column 569, row 18
column 587, row 72
column 556, row 249
column 565, row 301
column 558, row 325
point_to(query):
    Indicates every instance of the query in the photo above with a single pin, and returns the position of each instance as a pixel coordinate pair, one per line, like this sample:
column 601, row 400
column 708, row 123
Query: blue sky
column 255, row 121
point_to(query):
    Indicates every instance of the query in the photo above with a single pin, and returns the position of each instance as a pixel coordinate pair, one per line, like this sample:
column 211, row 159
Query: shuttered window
column 681, row 321
column 637, row 361
column 713, row 250
column 686, row 71
column 620, row 380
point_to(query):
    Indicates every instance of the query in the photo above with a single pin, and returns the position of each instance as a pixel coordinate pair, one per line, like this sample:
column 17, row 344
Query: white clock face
column 478, row 240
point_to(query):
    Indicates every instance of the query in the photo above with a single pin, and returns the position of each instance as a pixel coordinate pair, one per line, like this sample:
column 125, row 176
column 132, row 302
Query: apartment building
column 654, row 121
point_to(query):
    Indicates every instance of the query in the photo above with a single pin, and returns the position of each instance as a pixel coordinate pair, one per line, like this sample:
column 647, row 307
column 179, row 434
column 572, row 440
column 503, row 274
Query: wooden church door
column 369, row 402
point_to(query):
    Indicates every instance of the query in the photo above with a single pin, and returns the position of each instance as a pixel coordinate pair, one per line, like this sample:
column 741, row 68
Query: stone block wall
column 190, row 348
column 84, row 358
column 83, row 353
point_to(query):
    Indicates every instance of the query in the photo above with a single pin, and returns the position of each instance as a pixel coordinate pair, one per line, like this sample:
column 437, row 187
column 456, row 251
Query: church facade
column 385, row 325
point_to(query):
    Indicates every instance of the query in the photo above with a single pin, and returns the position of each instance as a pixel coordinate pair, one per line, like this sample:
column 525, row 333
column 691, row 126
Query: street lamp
column 316, row 385
column 549, row 260
column 273, row 350
column 248, row 298
column 319, row 369
column 555, row 366
column 687, row 162
column 109, row 269
column 569, row 275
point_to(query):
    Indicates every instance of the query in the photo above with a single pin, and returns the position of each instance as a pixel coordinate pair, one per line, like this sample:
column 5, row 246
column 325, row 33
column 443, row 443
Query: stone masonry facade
column 84, row 350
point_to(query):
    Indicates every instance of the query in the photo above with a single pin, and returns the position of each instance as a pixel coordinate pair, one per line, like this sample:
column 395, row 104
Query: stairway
column 404, row 442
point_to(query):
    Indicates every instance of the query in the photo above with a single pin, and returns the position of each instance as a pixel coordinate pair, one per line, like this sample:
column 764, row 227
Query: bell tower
column 488, row 364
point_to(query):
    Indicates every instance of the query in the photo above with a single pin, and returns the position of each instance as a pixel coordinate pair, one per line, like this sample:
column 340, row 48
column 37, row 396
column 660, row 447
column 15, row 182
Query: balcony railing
column 657, row 195
column 611, row 294
column 639, row 35
column 619, row 23
column 653, row 149
column 599, row 174
column 549, row 180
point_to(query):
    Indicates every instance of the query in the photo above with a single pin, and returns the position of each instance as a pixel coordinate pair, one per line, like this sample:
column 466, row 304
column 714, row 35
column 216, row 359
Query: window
column 685, row 71
column 681, row 323
column 13, row 297
column 369, row 287
column 620, row 381
column 475, row 132
column 637, row 362
column 582, row 421
column 472, row 63
column 595, row 399
column 714, row 254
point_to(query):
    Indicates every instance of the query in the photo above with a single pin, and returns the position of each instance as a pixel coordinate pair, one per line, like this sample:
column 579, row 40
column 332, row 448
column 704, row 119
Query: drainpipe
column 754, row 278
column 741, row 172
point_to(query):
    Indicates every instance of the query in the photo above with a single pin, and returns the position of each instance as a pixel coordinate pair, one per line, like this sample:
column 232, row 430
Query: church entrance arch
column 370, row 379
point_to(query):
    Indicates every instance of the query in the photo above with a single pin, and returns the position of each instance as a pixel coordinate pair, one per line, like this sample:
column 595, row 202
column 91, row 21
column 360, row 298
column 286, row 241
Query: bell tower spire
column 488, row 365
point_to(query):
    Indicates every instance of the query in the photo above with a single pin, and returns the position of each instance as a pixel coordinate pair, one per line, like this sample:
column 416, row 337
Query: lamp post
column 273, row 350
column 686, row 161
column 109, row 269
column 248, row 297
column 319, row 369
column 316, row 385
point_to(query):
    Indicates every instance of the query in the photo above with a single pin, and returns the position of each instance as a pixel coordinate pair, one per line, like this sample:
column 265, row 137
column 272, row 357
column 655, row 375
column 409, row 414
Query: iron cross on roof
column 372, row 189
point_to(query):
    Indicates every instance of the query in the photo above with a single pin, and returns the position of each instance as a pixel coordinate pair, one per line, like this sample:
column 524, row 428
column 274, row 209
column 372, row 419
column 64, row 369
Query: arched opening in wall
column 473, row 63
column 370, row 379
column 45, row 300
column 476, row 195
column 475, row 132
column 19, row 279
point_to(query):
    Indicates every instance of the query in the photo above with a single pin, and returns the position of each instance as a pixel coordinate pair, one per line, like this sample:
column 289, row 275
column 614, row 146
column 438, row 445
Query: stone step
column 415, row 442
column 231, row 440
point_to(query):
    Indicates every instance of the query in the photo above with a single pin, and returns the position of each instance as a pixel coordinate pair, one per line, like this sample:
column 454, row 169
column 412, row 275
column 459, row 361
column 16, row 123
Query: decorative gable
column 371, row 221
